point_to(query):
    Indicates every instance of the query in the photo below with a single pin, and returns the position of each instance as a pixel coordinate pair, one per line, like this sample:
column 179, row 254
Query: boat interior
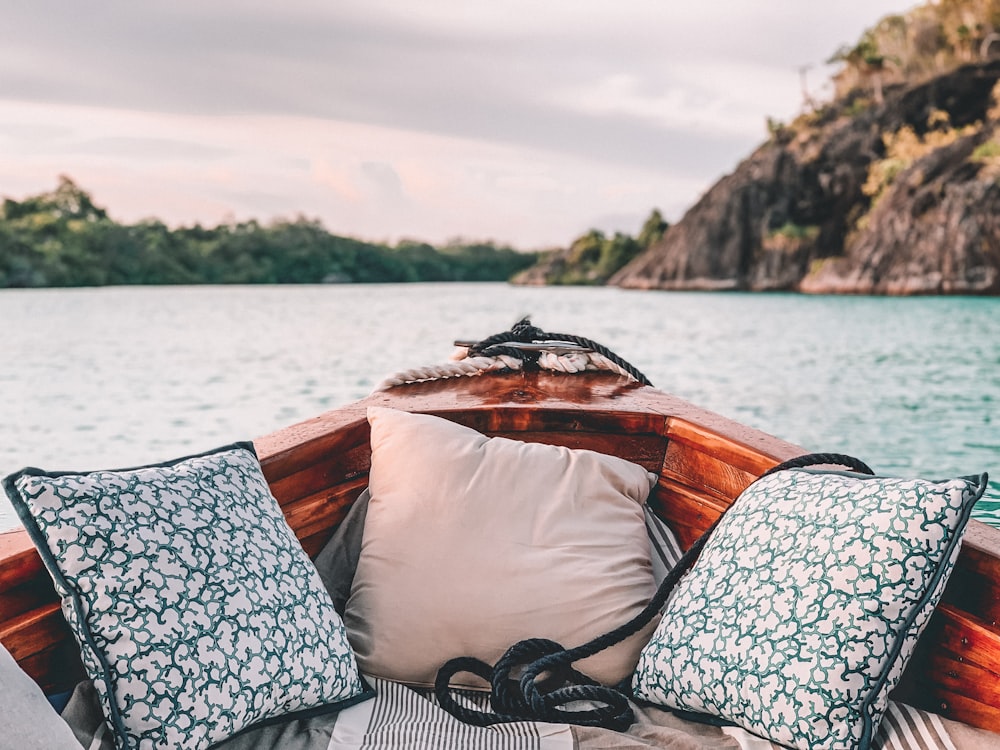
column 316, row 469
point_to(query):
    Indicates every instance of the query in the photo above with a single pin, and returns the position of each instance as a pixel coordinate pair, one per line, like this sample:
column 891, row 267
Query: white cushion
column 473, row 543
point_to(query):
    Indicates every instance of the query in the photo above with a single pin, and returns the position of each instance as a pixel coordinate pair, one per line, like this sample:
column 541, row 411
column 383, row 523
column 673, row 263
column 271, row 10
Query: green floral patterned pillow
column 197, row 611
column 802, row 610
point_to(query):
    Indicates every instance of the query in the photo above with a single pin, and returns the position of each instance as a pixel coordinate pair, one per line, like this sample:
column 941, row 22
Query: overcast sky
column 523, row 121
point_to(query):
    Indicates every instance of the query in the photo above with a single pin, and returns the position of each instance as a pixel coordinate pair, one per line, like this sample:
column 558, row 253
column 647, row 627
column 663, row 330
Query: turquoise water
column 98, row 378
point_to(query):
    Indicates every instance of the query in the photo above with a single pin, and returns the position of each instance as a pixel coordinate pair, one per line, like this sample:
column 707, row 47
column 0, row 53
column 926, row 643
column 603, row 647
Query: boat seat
column 400, row 716
column 29, row 721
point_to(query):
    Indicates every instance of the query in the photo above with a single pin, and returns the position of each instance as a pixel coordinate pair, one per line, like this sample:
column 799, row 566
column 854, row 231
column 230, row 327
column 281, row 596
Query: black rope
column 548, row 682
column 523, row 332
column 821, row 459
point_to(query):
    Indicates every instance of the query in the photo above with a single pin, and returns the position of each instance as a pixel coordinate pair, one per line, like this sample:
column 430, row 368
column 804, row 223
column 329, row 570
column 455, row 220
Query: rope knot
column 525, row 332
column 524, row 347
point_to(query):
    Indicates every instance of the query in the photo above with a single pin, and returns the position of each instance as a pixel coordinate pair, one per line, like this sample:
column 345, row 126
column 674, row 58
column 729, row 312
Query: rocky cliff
column 897, row 197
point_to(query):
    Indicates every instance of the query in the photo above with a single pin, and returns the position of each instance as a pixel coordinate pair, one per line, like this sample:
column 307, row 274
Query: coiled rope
column 523, row 347
column 548, row 682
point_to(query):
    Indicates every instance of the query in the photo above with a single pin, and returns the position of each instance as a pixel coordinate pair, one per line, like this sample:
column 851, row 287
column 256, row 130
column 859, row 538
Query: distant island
column 61, row 238
column 891, row 188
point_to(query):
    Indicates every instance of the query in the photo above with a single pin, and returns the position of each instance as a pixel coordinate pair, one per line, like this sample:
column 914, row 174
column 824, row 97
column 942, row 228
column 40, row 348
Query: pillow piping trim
column 49, row 561
column 366, row 692
column 976, row 486
column 65, row 590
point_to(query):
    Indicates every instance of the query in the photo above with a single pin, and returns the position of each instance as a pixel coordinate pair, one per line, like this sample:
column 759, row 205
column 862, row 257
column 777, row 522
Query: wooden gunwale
column 318, row 467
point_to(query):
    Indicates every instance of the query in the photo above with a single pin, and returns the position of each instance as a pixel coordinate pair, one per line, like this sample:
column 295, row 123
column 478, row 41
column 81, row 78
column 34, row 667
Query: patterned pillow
column 197, row 611
column 805, row 605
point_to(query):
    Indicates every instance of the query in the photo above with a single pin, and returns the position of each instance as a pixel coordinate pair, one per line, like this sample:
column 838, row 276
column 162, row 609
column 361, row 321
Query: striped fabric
column 666, row 551
column 906, row 728
column 400, row 717
column 902, row 728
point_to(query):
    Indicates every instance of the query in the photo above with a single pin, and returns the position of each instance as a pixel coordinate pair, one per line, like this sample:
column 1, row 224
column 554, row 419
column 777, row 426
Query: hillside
column 897, row 198
column 892, row 188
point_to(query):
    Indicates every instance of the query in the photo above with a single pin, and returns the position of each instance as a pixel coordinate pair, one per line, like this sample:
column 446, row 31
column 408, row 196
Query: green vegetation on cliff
column 926, row 41
column 63, row 239
column 592, row 258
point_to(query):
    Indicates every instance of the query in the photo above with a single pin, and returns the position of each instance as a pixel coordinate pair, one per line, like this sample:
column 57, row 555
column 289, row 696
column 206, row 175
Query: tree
column 865, row 58
column 652, row 230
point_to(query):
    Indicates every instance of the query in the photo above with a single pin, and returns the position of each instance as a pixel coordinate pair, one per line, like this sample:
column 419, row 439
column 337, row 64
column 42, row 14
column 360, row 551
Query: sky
column 525, row 122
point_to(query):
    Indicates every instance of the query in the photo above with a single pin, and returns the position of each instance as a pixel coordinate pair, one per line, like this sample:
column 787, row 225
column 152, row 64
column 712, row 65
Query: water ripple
column 93, row 378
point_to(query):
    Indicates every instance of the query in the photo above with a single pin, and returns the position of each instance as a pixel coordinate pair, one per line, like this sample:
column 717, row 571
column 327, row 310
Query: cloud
column 137, row 147
column 719, row 100
column 361, row 180
column 384, row 181
column 513, row 118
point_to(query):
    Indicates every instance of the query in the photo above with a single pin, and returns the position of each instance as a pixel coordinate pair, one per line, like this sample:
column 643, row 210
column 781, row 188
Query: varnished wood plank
column 645, row 450
column 689, row 513
column 972, row 592
column 700, row 469
column 515, row 393
column 954, row 669
column 555, row 419
column 982, row 549
column 19, row 561
column 959, row 707
column 751, row 452
column 34, row 631
column 970, row 639
column 56, row 669
column 323, row 511
column 21, row 599
column 300, row 446
column 946, row 675
column 942, row 686
column 328, row 472
column 975, row 583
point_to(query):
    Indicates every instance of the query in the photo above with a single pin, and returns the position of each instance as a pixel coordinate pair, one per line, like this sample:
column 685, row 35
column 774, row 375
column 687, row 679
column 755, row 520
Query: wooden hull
column 317, row 468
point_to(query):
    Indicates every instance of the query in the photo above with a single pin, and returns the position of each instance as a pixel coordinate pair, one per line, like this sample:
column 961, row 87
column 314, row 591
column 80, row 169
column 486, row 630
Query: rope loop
column 821, row 459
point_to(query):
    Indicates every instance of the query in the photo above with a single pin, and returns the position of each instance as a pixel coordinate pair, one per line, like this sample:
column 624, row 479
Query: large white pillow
column 473, row 543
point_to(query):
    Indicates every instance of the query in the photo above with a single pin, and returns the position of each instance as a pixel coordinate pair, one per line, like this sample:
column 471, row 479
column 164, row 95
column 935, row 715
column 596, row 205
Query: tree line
column 62, row 238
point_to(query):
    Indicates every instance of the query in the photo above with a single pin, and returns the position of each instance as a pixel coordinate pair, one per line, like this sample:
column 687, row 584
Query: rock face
column 542, row 273
column 936, row 231
column 797, row 214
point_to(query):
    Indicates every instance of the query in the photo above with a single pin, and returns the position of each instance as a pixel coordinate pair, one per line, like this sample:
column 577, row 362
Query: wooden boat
column 318, row 468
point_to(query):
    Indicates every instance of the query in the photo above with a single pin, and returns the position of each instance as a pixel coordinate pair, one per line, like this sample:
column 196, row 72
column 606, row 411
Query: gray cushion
column 338, row 559
column 27, row 720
